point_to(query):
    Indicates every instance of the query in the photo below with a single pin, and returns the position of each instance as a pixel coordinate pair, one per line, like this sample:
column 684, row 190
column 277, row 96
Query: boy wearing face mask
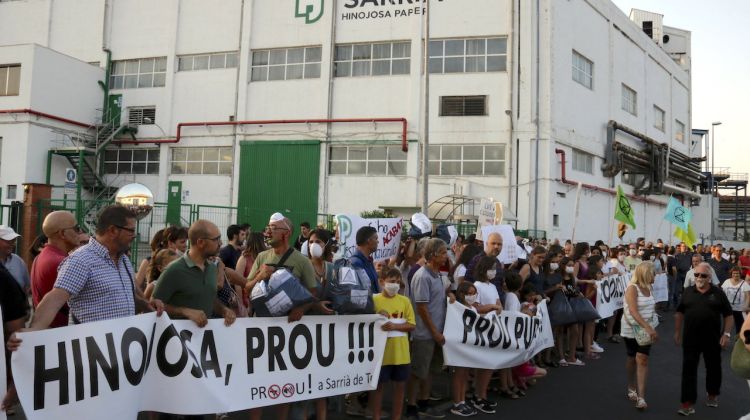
column 632, row 260
column 396, row 357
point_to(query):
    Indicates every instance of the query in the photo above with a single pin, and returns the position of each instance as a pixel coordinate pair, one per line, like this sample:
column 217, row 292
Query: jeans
column 675, row 289
column 711, row 351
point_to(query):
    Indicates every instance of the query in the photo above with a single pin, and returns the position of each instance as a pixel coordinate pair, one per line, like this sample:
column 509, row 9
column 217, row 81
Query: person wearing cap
column 97, row 280
column 278, row 232
column 61, row 230
column 11, row 261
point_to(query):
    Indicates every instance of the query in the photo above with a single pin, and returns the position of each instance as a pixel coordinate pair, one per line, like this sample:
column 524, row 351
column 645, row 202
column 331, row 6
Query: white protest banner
column 494, row 341
column 486, row 212
column 389, row 235
column 510, row 251
column 610, row 294
column 114, row 369
column 661, row 288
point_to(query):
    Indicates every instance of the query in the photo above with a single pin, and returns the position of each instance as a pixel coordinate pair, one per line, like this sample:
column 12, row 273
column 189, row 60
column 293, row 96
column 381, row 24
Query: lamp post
column 713, row 155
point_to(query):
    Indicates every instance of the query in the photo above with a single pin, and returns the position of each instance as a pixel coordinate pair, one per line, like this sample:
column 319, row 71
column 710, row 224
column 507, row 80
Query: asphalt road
column 597, row 391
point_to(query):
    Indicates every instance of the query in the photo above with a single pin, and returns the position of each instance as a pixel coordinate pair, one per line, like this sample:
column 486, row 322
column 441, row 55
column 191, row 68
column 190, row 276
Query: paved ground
column 597, row 391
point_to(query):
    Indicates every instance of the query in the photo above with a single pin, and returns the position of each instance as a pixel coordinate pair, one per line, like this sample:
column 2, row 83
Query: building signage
column 381, row 9
column 311, row 10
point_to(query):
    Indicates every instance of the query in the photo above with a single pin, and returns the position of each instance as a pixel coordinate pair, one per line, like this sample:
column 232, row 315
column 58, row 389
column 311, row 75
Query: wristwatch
column 729, row 335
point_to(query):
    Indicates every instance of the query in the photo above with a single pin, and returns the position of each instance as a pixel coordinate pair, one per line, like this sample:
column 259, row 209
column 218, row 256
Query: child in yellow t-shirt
column 396, row 358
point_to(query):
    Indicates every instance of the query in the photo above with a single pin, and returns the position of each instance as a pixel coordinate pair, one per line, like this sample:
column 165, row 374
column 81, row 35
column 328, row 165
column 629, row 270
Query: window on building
column 583, row 70
column 12, row 191
column 472, row 55
column 141, row 115
column 202, row 161
column 468, row 160
column 556, row 220
column 583, row 162
column 10, row 79
column 629, row 100
column 139, row 161
column 367, row 160
column 382, row 59
column 138, row 73
column 286, row 64
column 679, row 131
column 659, row 121
column 222, row 60
column 463, row 106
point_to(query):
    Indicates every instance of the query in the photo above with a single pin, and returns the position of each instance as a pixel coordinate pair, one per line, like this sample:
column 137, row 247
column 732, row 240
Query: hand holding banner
column 610, row 294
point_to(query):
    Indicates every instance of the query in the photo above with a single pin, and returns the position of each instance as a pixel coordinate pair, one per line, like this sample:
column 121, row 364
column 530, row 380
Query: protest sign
column 510, row 251
column 389, row 235
column 610, row 294
column 661, row 288
column 494, row 341
column 114, row 369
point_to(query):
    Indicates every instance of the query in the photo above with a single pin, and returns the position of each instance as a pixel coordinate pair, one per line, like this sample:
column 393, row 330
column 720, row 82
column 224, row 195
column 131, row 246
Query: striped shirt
column 98, row 288
column 645, row 308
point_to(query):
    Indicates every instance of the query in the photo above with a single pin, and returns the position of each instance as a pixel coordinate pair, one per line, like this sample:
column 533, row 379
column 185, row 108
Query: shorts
column 395, row 373
column 426, row 358
column 632, row 347
column 524, row 370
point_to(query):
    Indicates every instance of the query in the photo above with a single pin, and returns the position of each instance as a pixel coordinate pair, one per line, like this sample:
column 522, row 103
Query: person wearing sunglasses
column 61, row 230
column 703, row 325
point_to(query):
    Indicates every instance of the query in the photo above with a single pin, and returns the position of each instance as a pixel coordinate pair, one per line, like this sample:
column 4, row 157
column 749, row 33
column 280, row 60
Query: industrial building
column 318, row 106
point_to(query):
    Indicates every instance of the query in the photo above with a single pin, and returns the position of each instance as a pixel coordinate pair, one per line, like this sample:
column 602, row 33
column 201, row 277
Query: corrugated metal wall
column 278, row 176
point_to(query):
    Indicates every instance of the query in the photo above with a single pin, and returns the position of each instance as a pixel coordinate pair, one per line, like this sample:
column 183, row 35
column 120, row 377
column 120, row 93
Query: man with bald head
column 188, row 286
column 492, row 247
column 62, row 231
column 707, row 316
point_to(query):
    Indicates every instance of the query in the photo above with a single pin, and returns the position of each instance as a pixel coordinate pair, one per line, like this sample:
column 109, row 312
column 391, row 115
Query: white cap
column 422, row 222
column 7, row 233
column 276, row 217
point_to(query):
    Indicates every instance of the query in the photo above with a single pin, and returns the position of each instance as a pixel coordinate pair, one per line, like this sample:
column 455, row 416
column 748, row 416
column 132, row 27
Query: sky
column 721, row 68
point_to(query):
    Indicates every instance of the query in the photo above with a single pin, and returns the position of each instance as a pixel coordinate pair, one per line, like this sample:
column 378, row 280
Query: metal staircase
column 85, row 154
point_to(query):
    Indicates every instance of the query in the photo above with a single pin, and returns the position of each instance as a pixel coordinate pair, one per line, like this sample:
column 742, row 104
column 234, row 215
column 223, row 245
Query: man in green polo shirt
column 188, row 286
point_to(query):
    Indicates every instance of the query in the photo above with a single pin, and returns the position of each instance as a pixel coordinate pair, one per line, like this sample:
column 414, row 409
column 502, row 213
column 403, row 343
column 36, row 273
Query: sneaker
column 596, row 348
column 641, row 404
column 484, row 406
column 712, row 401
column 463, row 410
column 412, row 413
column 576, row 362
column 632, row 395
column 686, row 411
column 431, row 412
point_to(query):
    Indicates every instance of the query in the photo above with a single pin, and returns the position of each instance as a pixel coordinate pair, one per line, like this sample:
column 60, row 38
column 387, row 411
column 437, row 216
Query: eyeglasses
column 702, row 275
column 131, row 230
column 76, row 228
column 216, row 239
column 274, row 228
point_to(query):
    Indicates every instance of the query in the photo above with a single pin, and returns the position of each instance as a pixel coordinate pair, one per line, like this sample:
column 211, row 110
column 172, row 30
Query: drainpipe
column 45, row 115
column 329, row 105
column 105, row 86
column 403, row 121
column 235, row 138
column 536, row 141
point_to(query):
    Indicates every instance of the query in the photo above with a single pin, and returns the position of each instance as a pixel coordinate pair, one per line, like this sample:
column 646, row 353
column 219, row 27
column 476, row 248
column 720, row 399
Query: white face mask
column 570, row 270
column 554, row 266
column 316, row 251
column 491, row 274
column 471, row 299
column 632, row 252
column 391, row 289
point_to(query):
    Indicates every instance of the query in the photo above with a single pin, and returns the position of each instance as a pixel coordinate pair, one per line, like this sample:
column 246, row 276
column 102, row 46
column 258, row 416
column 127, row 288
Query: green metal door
column 278, row 176
column 114, row 109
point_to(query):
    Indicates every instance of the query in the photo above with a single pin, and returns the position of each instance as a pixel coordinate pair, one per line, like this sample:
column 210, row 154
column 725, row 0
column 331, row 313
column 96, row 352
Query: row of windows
column 381, row 59
column 286, row 64
column 468, row 55
column 467, row 160
column 138, row 73
column 583, row 73
column 213, row 61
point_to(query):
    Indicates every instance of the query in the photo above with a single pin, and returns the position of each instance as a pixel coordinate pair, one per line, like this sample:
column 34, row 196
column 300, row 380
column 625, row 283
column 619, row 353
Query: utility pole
column 426, row 134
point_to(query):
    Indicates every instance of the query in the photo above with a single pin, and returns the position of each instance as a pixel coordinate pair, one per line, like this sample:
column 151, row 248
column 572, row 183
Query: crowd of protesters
column 190, row 275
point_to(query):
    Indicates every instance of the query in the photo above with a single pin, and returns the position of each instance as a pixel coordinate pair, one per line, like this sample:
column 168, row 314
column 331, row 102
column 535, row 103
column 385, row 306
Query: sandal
column 576, row 362
column 593, row 356
column 562, row 363
column 641, row 404
column 632, row 395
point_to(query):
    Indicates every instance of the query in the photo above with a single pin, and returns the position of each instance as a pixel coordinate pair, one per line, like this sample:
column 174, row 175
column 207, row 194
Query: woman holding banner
column 637, row 329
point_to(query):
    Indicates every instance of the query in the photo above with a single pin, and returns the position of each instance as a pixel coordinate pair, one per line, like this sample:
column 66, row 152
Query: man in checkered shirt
column 96, row 280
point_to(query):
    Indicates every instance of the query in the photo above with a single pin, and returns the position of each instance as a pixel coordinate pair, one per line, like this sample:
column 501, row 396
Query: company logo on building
column 311, row 10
